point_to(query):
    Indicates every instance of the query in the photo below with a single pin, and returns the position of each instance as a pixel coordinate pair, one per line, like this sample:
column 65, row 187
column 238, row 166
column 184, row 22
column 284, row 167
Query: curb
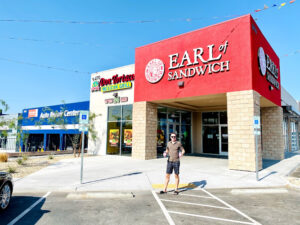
column 294, row 182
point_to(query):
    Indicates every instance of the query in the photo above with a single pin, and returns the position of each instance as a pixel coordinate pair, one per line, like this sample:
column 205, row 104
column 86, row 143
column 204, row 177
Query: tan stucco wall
column 272, row 133
column 144, row 128
column 242, row 106
column 197, row 132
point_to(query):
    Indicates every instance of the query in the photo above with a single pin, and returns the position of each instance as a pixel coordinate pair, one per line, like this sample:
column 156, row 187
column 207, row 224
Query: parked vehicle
column 6, row 189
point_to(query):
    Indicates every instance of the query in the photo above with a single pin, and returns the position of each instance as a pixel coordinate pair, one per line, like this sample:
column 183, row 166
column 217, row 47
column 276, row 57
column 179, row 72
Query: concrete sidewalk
column 120, row 173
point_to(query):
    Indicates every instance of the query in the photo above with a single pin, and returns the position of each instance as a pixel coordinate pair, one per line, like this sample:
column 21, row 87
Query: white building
column 8, row 133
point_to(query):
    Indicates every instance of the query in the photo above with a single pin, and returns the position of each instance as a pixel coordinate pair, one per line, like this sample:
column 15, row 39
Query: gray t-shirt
column 174, row 150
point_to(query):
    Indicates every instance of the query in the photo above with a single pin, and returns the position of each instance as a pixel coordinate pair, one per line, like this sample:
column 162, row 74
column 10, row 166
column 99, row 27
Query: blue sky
column 94, row 47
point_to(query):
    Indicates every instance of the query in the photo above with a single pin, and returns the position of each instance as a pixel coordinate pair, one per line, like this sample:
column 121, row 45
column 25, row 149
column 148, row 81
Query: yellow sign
column 115, row 87
column 114, row 136
column 128, row 137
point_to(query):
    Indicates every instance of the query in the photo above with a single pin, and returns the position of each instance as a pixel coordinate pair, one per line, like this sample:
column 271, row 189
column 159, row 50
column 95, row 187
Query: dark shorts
column 173, row 166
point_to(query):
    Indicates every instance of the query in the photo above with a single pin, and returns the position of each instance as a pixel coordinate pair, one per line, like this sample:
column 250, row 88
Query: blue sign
column 49, row 115
column 84, row 117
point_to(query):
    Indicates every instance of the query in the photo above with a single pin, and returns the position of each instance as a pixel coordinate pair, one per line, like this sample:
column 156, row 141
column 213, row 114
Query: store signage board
column 116, row 100
column 256, row 125
column 256, row 122
column 84, row 117
column 114, row 83
column 208, row 61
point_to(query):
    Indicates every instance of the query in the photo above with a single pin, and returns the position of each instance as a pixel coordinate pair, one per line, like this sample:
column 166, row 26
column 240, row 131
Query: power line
column 93, row 45
column 279, row 6
column 76, row 22
column 43, row 66
column 50, row 41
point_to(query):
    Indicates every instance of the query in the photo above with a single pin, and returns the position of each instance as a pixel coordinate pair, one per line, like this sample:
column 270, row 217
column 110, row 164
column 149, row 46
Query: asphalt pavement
column 190, row 207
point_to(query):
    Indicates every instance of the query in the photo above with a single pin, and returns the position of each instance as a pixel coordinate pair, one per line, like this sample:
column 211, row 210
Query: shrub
column 11, row 169
column 3, row 157
column 24, row 157
column 19, row 161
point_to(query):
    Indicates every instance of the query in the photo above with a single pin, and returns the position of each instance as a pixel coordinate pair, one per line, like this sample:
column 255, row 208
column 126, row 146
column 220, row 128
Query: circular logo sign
column 154, row 70
column 95, row 84
column 262, row 61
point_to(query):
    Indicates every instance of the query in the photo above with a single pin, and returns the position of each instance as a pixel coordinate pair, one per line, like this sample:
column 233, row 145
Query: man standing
column 175, row 151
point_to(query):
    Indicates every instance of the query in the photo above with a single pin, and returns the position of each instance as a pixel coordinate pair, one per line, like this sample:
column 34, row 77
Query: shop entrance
column 176, row 121
column 215, row 133
column 174, row 128
column 52, row 142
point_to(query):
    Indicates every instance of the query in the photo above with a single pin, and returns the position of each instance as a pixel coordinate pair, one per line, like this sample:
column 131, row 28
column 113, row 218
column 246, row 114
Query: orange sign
column 32, row 113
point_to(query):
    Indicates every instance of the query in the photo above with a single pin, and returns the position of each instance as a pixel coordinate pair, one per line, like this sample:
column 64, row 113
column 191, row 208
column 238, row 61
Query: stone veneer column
column 242, row 106
column 272, row 133
column 144, row 125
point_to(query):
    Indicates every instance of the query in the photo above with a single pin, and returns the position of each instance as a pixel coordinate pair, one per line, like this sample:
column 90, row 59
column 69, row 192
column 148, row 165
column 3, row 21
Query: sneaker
column 176, row 192
column 162, row 192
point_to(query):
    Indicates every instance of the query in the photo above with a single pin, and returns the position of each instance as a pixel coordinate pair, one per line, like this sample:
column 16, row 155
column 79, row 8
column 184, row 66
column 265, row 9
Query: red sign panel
column 265, row 66
column 216, row 59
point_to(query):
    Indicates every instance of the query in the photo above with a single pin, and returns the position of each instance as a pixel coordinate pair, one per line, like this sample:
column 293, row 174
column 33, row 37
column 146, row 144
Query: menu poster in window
column 128, row 137
column 114, row 136
column 160, row 138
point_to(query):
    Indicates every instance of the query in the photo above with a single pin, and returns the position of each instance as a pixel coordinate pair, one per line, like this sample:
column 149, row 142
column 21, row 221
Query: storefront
column 208, row 86
column 111, row 100
column 291, row 122
column 52, row 127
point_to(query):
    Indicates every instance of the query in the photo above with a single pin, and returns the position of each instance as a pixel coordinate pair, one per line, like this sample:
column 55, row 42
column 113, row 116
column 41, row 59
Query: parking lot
column 213, row 206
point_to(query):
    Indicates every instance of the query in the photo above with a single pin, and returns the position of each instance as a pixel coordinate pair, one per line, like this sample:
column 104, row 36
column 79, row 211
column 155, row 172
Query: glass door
column 174, row 128
column 223, row 140
column 211, row 139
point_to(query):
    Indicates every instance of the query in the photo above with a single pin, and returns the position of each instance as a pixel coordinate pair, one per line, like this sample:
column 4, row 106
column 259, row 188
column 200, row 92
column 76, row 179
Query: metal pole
column 82, row 152
column 256, row 156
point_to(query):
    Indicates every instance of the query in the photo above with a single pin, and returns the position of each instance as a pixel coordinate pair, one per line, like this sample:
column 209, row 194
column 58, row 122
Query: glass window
column 210, row 118
column 161, row 136
column 113, row 138
column 185, row 137
column 223, row 117
column 162, row 114
column 126, row 137
column 173, row 120
column 114, row 113
column 186, row 117
column 173, row 115
column 210, row 139
column 119, row 130
column 127, row 112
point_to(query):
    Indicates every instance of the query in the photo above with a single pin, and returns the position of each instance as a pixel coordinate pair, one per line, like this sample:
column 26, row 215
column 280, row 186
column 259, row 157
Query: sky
column 37, row 36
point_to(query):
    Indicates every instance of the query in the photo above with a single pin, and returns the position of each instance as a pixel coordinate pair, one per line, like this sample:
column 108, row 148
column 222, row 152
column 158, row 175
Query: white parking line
column 210, row 217
column 189, row 203
column 259, row 191
column 225, row 203
column 167, row 215
column 196, row 196
column 28, row 209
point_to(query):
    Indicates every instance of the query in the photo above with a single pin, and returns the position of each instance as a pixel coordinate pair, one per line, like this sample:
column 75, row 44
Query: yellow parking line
column 160, row 186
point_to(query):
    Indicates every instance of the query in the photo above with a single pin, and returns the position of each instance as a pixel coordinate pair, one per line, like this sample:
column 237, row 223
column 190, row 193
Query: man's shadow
column 193, row 185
